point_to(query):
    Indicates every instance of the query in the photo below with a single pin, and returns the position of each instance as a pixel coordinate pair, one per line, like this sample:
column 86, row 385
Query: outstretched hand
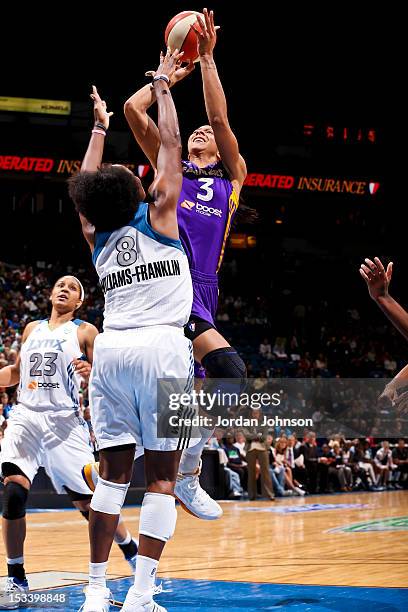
column 179, row 74
column 377, row 278
column 206, row 33
column 169, row 64
column 101, row 115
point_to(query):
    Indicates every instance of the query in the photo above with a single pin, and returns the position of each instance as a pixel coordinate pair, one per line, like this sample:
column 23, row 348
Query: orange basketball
column 179, row 35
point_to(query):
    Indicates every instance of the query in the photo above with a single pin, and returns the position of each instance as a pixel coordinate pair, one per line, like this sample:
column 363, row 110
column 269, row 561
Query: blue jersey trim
column 77, row 321
column 141, row 223
column 71, row 385
column 100, row 240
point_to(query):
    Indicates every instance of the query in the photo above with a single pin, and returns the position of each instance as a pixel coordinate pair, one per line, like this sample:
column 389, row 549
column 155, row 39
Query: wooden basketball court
column 290, row 541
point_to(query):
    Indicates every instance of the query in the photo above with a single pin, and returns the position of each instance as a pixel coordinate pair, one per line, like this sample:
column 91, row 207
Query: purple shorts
column 205, row 296
column 205, row 302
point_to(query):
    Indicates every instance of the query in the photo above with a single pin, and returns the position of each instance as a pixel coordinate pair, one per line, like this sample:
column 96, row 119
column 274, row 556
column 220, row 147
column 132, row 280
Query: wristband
column 99, row 132
column 161, row 77
column 101, row 126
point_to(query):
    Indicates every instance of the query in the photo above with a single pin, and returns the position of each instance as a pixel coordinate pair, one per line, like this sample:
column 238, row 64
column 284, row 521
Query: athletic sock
column 15, row 568
column 145, row 575
column 190, row 459
column 123, row 541
column 128, row 546
column 97, row 574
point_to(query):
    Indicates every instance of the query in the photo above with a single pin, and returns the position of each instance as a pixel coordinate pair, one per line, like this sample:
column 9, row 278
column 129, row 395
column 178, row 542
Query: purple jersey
column 205, row 211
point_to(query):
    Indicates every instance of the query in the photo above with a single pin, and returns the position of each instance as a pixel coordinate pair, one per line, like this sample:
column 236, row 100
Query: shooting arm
column 166, row 187
column 395, row 313
column 143, row 127
column 216, row 107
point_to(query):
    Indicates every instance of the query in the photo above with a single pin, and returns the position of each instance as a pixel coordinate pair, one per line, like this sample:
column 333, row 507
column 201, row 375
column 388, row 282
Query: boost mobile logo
column 208, row 211
column 33, row 385
column 187, row 204
column 202, row 209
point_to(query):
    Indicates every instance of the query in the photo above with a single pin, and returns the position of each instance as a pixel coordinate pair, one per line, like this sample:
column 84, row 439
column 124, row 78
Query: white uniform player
column 45, row 427
column 145, row 276
column 148, row 295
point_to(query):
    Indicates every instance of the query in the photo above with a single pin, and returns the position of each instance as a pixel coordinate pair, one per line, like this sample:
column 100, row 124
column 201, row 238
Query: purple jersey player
column 212, row 179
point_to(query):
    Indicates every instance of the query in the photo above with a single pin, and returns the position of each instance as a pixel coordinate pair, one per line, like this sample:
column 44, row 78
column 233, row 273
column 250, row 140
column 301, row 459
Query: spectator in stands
column 279, row 348
column 400, row 459
column 390, row 365
column 324, row 461
column 362, row 465
column 318, row 415
column 234, row 488
column 5, row 404
column 320, row 365
column 277, row 472
column 236, row 461
column 384, row 465
column 265, row 349
column 240, row 442
column 257, row 449
column 296, row 461
column 280, row 459
column 339, row 469
column 310, row 453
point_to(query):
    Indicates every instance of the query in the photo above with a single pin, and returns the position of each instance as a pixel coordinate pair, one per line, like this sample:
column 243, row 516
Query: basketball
column 179, row 35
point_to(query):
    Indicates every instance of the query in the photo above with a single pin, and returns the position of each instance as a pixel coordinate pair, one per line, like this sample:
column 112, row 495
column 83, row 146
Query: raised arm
column 142, row 125
column 391, row 389
column 378, row 280
column 94, row 153
column 166, row 186
column 216, row 103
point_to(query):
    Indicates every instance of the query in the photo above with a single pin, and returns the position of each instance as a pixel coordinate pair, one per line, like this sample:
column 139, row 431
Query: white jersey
column 48, row 381
column 144, row 275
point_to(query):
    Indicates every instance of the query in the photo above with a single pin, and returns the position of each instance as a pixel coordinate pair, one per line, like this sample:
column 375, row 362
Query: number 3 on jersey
column 206, row 186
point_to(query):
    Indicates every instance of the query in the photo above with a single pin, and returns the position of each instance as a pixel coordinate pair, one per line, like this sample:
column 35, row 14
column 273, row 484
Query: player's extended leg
column 157, row 524
column 116, row 465
column 16, row 487
column 122, row 535
column 221, row 361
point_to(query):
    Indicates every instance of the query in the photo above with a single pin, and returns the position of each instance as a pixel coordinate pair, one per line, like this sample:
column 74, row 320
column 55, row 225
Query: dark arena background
column 303, row 89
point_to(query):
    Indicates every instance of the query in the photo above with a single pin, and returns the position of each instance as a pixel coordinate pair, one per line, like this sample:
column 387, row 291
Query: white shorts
column 123, row 385
column 58, row 442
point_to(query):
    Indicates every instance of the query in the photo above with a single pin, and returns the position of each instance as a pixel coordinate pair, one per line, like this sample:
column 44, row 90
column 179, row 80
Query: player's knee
column 83, row 506
column 164, row 487
column 109, row 497
column 116, row 463
column 224, row 363
column 14, row 501
column 78, row 499
column 158, row 516
column 226, row 375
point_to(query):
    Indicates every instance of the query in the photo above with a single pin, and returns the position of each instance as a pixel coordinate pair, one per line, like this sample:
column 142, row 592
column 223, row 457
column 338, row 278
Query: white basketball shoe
column 194, row 499
column 140, row 602
column 96, row 600
column 12, row 597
